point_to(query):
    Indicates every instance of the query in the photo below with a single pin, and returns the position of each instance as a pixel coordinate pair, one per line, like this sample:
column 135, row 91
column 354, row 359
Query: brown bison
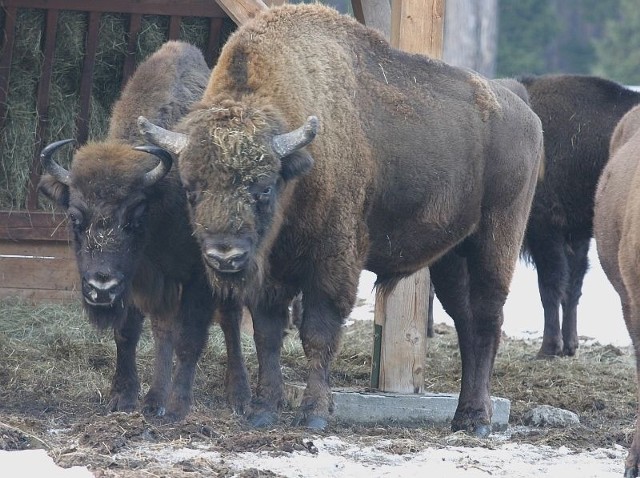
column 616, row 227
column 578, row 115
column 416, row 163
column 133, row 241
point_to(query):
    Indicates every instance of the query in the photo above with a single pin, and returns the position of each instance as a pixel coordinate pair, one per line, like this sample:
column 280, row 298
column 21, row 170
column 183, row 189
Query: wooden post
column 400, row 342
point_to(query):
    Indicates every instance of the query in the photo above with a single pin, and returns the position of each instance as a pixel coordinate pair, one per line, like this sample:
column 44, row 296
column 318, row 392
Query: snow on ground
column 599, row 318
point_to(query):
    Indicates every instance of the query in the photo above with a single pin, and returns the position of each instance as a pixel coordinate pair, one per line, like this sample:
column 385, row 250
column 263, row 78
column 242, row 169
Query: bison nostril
column 239, row 259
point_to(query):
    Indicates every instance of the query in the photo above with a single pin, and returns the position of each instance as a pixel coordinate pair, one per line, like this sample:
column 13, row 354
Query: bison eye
column 264, row 196
column 193, row 197
column 136, row 217
column 76, row 218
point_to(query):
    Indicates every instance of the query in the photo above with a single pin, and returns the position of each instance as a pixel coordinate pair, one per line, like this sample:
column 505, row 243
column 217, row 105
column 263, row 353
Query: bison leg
column 269, row 322
column 156, row 397
column 125, row 386
column 577, row 255
column 320, row 332
column 632, row 463
column 237, row 387
column 195, row 316
column 550, row 260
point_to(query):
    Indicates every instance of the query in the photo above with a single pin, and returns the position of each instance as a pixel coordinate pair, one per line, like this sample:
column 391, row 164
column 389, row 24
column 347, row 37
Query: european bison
column 416, row 163
column 578, row 115
column 133, row 242
column 616, row 227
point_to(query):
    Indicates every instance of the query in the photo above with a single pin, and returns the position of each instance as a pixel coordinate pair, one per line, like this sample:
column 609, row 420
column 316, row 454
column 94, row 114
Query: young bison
column 416, row 163
column 616, row 224
column 134, row 245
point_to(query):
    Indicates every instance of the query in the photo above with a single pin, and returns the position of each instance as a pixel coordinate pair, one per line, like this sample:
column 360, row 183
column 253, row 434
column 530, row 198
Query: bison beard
column 415, row 163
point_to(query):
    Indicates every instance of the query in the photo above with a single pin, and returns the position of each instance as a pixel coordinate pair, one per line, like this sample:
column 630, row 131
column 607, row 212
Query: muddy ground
column 55, row 373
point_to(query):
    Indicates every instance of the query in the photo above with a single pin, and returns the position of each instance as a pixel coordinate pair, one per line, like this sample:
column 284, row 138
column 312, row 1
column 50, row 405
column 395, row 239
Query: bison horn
column 163, row 167
column 169, row 140
column 286, row 143
column 49, row 164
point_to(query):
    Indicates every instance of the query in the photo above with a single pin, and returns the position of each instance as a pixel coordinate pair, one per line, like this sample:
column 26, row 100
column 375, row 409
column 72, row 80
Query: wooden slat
column 213, row 45
column 8, row 33
column 39, row 296
column 60, row 250
column 86, row 83
column 42, row 226
column 38, row 273
column 42, row 105
column 135, row 22
column 174, row 27
column 195, row 8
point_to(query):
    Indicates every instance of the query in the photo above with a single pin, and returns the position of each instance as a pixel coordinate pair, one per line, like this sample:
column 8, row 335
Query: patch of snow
column 36, row 463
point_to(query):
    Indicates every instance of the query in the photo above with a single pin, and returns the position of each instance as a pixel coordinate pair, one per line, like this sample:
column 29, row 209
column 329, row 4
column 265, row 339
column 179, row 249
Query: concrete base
column 352, row 406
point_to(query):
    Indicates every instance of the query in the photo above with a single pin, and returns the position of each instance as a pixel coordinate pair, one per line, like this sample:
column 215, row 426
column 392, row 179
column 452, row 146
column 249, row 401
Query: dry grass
column 17, row 138
column 55, row 373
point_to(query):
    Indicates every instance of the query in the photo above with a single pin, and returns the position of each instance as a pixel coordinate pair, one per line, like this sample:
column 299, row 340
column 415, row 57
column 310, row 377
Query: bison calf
column 134, row 245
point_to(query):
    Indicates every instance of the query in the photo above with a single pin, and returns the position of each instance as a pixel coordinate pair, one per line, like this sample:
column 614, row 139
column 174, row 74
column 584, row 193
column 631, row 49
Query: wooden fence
column 36, row 263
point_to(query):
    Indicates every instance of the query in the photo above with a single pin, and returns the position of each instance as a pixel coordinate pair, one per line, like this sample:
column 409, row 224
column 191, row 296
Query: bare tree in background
column 471, row 35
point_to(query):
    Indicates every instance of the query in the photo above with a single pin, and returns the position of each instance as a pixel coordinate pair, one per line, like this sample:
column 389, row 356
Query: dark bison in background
column 578, row 115
column 415, row 163
column 133, row 242
column 616, row 225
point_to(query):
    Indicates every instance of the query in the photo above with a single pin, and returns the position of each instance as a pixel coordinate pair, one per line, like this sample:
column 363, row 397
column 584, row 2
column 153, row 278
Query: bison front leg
column 269, row 323
column 156, row 397
column 191, row 328
column 125, row 386
column 237, row 388
column 320, row 332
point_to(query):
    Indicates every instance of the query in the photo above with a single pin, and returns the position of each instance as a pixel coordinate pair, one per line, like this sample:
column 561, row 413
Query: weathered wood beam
column 400, row 343
column 240, row 11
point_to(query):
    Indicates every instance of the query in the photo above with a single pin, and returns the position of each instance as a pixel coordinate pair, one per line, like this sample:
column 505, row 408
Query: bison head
column 105, row 195
column 235, row 164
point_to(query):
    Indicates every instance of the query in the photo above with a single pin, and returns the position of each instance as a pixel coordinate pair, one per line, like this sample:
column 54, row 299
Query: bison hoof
column 548, row 350
column 313, row 422
column 119, row 404
column 482, row 430
column 154, row 410
column 263, row 419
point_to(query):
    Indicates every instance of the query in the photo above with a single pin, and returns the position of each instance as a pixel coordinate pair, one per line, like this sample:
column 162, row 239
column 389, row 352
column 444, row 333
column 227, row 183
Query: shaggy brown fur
column 616, row 225
column 139, row 238
column 416, row 163
column 578, row 115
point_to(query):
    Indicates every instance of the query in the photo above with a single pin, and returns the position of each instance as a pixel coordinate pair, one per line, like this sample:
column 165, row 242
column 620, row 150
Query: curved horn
column 163, row 167
column 286, row 143
column 166, row 139
column 49, row 164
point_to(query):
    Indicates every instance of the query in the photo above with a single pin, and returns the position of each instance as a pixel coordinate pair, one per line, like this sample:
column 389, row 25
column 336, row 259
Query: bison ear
column 54, row 190
column 296, row 164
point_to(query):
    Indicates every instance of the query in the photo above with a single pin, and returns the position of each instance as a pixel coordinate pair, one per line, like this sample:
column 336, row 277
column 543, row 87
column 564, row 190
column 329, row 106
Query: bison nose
column 102, row 288
column 225, row 257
